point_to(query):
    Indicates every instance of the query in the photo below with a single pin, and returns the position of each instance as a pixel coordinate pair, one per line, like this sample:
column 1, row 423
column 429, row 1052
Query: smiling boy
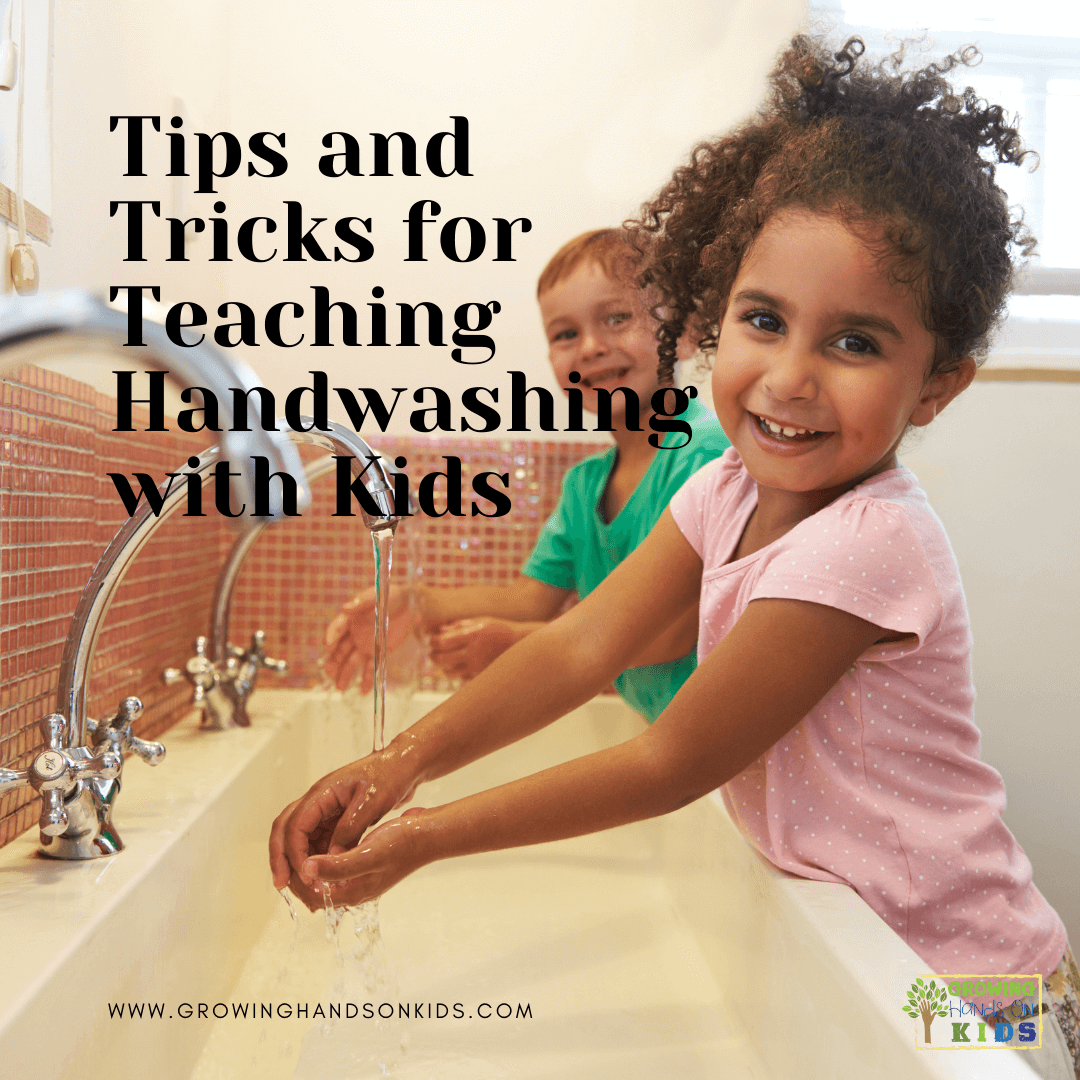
column 600, row 337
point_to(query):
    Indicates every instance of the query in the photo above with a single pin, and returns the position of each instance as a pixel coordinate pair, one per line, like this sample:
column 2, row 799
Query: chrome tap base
column 90, row 833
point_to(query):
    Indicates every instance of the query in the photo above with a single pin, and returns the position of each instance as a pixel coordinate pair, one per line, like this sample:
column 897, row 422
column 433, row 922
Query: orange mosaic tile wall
column 59, row 510
column 299, row 572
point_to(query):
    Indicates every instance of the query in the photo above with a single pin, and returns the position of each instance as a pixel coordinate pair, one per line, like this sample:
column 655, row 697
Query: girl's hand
column 465, row 647
column 350, row 637
column 332, row 817
column 384, row 857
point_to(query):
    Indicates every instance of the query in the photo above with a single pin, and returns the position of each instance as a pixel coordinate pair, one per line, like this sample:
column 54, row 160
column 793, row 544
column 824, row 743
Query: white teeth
column 778, row 429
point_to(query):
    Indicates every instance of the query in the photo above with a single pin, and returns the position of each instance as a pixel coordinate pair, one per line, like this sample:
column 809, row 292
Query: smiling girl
column 846, row 255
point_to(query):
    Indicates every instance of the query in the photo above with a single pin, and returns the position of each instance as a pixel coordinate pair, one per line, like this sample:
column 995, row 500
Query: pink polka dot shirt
column 880, row 786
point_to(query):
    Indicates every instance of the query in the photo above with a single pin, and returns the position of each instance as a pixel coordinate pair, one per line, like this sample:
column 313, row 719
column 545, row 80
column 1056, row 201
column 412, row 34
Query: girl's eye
column 855, row 343
column 564, row 335
column 619, row 318
column 764, row 320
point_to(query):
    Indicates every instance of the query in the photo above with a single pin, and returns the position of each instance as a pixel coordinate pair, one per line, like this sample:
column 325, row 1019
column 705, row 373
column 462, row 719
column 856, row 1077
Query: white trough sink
column 664, row 949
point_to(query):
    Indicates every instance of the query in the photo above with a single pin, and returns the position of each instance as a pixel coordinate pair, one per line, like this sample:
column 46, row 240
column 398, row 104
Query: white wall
column 1000, row 468
column 111, row 59
column 35, row 105
column 577, row 112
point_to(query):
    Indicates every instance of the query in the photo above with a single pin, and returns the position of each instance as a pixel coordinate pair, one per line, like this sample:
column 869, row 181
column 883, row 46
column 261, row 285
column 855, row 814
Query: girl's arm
column 778, row 661
column 552, row 671
column 674, row 643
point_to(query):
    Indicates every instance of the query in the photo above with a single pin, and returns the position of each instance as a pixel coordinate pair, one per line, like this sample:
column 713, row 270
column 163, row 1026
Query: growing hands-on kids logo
column 999, row 1012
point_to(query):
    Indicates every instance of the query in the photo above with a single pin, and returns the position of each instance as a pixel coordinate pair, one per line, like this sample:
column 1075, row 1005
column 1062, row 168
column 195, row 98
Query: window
column 1030, row 66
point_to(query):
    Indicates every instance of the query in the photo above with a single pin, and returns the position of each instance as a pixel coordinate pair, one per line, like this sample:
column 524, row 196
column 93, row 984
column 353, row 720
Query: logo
column 976, row 1012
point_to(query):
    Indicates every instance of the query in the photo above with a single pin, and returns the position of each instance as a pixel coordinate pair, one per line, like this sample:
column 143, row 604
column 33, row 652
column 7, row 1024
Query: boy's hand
column 464, row 648
column 350, row 637
column 331, row 818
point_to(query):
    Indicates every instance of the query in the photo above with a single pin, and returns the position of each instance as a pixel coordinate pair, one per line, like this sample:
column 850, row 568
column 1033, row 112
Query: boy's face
column 597, row 327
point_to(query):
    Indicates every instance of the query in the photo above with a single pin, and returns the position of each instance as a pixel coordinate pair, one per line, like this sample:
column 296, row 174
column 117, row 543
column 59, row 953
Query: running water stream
column 319, row 1058
column 382, row 540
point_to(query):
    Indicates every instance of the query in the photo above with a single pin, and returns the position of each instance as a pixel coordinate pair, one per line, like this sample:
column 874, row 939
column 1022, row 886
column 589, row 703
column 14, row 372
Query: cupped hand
column 465, row 647
column 350, row 637
column 383, row 858
column 332, row 817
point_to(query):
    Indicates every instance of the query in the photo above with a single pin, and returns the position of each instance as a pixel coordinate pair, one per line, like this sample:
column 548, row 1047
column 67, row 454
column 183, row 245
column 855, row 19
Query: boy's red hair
column 606, row 248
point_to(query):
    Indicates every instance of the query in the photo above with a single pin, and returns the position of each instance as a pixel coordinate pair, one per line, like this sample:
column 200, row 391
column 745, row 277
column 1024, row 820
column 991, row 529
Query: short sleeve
column 552, row 559
column 689, row 505
column 863, row 557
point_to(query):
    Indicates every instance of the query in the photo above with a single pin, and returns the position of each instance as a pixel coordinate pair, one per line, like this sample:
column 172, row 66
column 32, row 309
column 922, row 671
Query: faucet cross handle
column 55, row 772
column 50, row 771
column 199, row 671
column 117, row 733
column 256, row 655
column 210, row 683
column 248, row 665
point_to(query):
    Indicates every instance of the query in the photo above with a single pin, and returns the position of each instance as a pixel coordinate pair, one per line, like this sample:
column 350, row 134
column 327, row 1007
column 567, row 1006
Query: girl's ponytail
column 901, row 151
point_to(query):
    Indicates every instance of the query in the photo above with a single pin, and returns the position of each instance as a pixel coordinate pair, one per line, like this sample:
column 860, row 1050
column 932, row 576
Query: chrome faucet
column 221, row 690
column 79, row 782
column 224, row 675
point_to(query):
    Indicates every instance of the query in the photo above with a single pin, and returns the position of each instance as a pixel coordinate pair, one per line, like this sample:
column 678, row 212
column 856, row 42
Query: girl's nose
column 790, row 375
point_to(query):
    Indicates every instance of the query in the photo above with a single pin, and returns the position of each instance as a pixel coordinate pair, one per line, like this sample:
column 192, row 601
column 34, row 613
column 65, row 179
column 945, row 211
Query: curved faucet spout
column 96, row 597
column 78, row 785
column 376, row 472
column 377, row 475
column 37, row 320
column 52, row 321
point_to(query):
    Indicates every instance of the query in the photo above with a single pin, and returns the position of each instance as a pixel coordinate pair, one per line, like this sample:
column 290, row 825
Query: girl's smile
column 823, row 360
column 777, row 433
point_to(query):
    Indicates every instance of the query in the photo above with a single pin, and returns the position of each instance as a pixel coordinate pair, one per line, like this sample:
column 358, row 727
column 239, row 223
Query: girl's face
column 822, row 361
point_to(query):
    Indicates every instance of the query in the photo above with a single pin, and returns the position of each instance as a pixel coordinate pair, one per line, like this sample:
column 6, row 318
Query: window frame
column 1036, row 60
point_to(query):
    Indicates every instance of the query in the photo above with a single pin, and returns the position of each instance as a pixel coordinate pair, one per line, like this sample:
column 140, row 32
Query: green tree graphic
column 926, row 1002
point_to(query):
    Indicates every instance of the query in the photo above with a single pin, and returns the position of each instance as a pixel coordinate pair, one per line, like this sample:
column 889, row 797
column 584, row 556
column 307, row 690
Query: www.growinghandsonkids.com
column 303, row 1010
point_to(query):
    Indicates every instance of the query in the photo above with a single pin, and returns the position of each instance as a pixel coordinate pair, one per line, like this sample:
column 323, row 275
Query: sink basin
column 663, row 949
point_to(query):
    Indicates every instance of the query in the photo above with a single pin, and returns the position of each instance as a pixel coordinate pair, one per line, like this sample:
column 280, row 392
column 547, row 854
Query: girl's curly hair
column 899, row 151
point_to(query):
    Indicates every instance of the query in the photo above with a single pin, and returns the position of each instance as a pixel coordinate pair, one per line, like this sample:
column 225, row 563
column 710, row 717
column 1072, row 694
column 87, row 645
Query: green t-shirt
column 577, row 549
